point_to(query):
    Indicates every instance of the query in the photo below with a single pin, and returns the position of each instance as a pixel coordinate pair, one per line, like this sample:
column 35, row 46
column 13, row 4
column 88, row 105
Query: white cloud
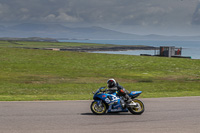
column 61, row 17
column 64, row 17
column 146, row 14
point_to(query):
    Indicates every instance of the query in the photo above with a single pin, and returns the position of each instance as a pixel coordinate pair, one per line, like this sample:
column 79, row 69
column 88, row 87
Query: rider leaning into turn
column 114, row 86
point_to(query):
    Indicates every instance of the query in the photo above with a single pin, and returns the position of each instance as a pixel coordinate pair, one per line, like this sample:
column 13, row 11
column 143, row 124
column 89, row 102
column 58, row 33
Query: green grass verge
column 28, row 74
column 31, row 44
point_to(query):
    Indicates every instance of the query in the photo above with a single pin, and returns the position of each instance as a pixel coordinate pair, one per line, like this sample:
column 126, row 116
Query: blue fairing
column 107, row 98
column 112, row 100
column 100, row 96
column 134, row 94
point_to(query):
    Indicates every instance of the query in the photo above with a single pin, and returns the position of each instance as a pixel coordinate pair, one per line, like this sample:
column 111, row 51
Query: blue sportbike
column 111, row 102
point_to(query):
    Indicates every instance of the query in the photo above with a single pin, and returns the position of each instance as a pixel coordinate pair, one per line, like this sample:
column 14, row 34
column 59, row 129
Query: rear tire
column 98, row 110
column 137, row 110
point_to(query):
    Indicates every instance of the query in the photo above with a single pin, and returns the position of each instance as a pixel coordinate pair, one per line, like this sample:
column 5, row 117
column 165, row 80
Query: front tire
column 137, row 110
column 98, row 110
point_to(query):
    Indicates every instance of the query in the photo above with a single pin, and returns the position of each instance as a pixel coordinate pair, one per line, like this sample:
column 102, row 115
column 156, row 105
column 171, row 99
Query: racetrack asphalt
column 162, row 115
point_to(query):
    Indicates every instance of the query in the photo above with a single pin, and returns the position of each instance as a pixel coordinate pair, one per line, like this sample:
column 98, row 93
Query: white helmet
column 111, row 83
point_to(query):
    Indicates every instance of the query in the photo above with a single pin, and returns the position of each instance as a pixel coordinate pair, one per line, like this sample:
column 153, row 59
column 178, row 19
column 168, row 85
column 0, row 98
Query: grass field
column 30, row 44
column 30, row 74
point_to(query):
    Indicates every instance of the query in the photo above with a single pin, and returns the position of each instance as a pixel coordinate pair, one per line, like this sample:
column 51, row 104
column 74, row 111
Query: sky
column 164, row 17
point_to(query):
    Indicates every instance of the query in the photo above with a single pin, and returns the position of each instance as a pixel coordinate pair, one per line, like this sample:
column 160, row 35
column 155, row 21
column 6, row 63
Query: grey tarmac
column 162, row 115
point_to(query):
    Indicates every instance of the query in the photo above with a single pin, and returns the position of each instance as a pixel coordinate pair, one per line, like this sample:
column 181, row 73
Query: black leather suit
column 121, row 92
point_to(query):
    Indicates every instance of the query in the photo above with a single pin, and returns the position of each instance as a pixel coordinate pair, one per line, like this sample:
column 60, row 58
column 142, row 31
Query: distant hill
column 28, row 39
column 27, row 27
column 93, row 32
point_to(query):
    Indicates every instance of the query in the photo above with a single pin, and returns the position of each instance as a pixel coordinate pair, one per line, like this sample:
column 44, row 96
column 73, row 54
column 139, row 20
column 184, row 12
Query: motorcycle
column 112, row 102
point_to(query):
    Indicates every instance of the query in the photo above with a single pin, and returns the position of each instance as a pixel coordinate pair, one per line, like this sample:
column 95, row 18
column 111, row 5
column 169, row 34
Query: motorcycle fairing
column 112, row 100
column 134, row 94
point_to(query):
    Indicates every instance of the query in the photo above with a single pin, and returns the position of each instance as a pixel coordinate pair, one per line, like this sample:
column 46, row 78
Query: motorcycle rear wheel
column 96, row 109
column 137, row 110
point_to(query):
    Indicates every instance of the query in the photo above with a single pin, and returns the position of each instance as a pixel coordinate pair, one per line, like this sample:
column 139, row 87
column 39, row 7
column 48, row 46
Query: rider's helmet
column 111, row 83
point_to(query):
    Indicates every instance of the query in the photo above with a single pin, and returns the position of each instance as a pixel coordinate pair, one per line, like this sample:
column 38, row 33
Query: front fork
column 99, row 103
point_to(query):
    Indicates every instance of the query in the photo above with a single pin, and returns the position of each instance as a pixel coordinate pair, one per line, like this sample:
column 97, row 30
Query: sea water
column 189, row 48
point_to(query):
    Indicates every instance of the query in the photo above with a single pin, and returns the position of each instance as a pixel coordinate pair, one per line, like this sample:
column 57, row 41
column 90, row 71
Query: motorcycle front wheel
column 137, row 110
column 98, row 109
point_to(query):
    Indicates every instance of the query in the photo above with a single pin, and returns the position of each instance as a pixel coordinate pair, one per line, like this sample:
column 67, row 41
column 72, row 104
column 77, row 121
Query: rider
column 114, row 86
